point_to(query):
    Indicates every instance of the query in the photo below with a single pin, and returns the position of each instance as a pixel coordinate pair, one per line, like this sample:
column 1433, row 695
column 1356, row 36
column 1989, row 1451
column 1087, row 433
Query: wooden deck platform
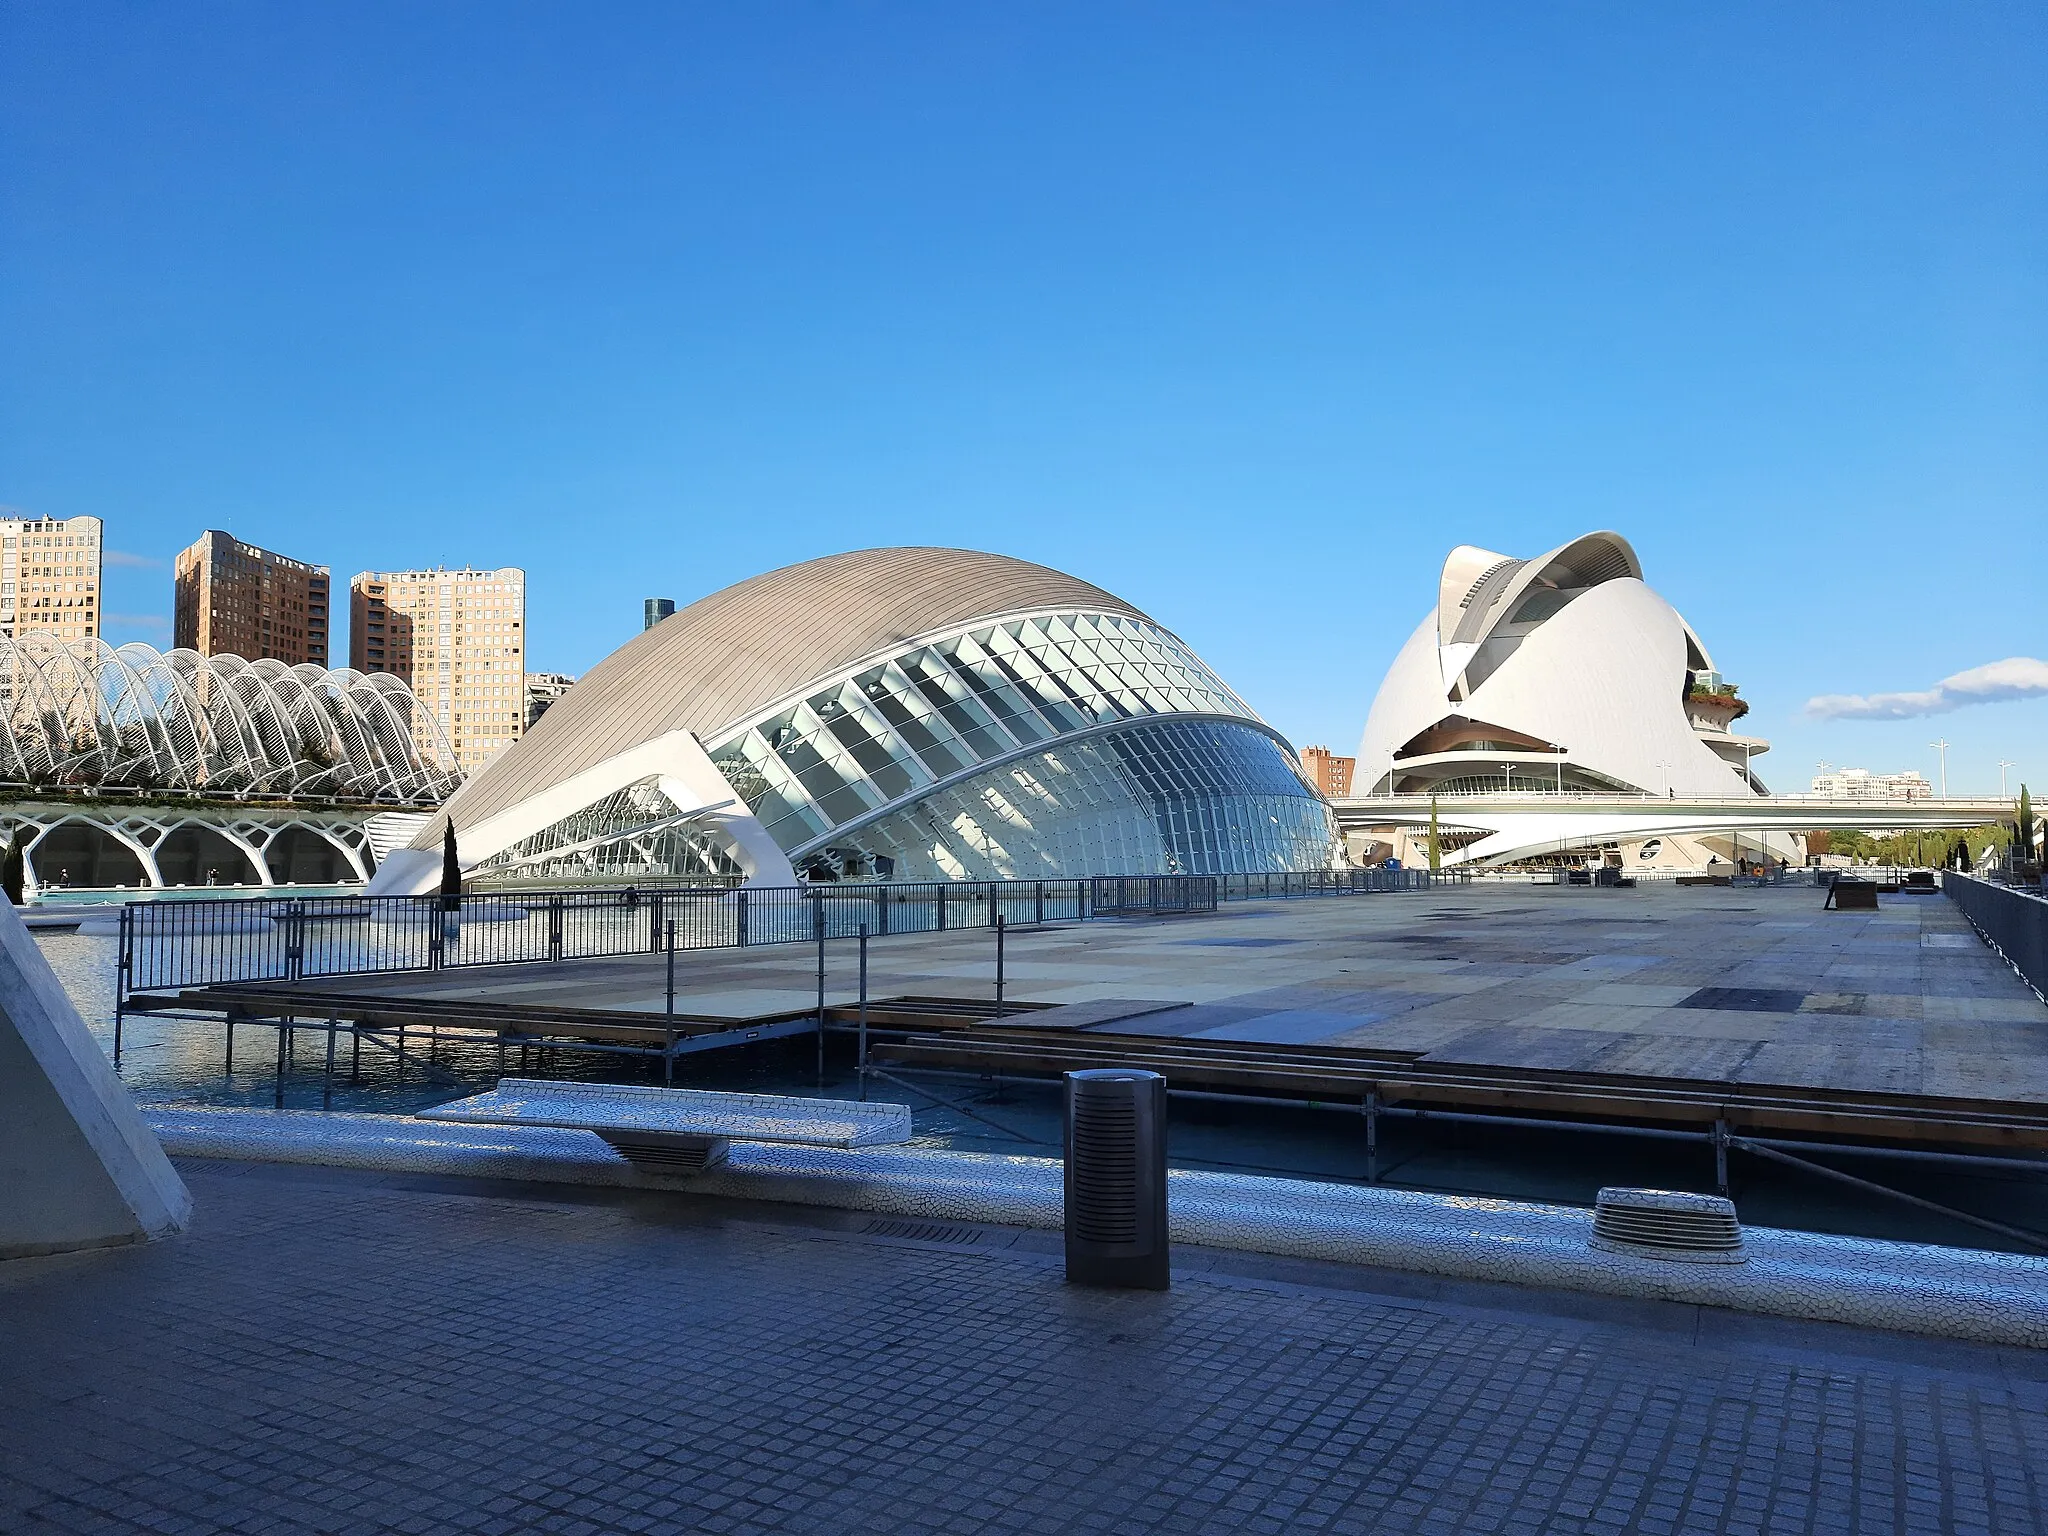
column 1655, row 1005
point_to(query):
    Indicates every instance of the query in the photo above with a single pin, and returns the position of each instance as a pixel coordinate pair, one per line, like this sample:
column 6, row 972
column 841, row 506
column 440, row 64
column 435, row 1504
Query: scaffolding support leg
column 1372, row 1135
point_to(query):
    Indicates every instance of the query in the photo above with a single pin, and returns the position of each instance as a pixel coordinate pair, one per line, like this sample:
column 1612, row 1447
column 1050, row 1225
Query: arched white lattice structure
column 81, row 713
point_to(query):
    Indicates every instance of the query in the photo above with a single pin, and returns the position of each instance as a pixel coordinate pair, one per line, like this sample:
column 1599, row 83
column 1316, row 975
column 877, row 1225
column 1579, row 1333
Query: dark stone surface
column 345, row 1353
column 1746, row 999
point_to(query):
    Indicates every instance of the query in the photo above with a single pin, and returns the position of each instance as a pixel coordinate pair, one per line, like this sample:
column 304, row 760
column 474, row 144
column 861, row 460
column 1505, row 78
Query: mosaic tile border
column 1991, row 1298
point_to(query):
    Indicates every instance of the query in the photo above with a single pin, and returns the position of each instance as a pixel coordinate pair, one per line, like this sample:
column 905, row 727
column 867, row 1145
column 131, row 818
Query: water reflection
column 181, row 1061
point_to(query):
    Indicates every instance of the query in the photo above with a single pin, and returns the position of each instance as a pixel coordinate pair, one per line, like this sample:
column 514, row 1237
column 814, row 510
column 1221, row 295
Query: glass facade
column 1062, row 744
column 1185, row 797
column 1197, row 798
column 637, row 831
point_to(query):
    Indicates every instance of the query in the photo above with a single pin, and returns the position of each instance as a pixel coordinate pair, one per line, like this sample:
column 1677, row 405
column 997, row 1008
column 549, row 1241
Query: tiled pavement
column 335, row 1352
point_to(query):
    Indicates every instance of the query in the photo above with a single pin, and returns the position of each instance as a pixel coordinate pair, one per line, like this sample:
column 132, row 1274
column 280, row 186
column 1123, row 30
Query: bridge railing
column 1539, row 791
column 1336, row 882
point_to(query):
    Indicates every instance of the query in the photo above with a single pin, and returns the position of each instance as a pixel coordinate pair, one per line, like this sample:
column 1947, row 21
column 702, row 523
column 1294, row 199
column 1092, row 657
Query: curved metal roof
column 729, row 656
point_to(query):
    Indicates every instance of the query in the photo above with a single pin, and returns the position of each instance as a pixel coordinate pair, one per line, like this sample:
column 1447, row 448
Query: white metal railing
column 1648, row 796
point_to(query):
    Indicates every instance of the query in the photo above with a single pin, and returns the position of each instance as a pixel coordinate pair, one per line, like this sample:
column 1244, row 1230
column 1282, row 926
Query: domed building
column 1561, row 674
column 907, row 714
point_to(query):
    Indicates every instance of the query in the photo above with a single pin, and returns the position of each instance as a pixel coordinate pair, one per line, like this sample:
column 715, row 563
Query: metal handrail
column 167, row 947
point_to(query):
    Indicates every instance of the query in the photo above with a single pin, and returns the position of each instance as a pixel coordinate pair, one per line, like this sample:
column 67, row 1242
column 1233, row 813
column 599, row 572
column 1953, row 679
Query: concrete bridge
column 1523, row 825
column 111, row 841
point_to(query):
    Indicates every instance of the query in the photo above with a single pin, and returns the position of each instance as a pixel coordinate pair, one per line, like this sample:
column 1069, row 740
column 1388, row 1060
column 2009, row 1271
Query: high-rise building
column 379, row 637
column 542, row 689
column 654, row 609
column 50, row 576
column 459, row 638
column 1331, row 775
column 234, row 599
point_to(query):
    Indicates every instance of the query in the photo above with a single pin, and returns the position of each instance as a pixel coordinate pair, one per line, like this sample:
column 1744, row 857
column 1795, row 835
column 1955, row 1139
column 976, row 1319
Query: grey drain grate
column 922, row 1232
column 1667, row 1224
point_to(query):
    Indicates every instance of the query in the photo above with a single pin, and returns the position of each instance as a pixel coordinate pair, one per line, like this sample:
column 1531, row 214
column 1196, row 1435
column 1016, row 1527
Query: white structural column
column 676, row 759
column 78, row 1168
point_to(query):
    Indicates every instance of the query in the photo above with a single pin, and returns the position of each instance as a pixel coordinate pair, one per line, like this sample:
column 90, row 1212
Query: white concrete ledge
column 1956, row 1293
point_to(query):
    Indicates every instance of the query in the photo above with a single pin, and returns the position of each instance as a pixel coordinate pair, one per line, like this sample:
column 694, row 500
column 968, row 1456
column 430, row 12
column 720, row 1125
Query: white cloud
column 2016, row 677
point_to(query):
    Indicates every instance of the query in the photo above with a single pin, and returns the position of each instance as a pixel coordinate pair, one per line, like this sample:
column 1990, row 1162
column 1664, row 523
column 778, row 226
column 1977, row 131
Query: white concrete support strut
column 78, row 1167
column 687, row 776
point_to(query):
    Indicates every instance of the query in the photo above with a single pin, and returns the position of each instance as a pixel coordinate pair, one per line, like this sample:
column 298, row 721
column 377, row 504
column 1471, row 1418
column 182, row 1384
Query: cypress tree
column 13, row 870
column 451, row 870
column 2023, row 825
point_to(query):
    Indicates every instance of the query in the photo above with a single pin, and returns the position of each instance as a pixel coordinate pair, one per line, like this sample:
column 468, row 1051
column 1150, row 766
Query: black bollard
column 1116, row 1178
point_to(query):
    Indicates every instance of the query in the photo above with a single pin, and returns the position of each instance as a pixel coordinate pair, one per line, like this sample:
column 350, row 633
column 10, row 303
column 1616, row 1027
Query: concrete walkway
column 341, row 1352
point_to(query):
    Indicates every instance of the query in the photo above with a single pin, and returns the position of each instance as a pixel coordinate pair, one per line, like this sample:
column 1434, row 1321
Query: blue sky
column 1246, row 313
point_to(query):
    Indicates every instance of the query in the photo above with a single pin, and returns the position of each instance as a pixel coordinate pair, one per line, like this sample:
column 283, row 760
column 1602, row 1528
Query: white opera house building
column 907, row 714
column 1557, row 676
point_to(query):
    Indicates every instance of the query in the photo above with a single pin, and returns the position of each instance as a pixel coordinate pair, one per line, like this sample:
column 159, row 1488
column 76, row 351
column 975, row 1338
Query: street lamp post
column 2003, row 764
column 1942, row 747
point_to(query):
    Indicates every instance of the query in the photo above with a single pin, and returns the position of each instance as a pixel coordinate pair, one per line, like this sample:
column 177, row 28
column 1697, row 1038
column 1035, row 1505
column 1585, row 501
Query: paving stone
column 349, row 1353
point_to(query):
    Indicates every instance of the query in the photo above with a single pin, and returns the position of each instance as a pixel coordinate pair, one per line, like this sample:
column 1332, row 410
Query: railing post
column 437, row 931
column 1039, row 907
column 863, row 1013
column 818, row 927
column 295, row 941
column 555, row 927
column 741, row 915
column 668, row 1023
column 1000, row 929
column 941, row 890
column 124, row 969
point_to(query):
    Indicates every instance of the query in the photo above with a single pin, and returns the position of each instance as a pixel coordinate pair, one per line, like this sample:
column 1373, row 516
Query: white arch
column 80, row 713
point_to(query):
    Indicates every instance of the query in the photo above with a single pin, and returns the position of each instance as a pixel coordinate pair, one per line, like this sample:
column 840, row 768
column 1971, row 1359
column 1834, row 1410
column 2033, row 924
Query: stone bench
column 678, row 1130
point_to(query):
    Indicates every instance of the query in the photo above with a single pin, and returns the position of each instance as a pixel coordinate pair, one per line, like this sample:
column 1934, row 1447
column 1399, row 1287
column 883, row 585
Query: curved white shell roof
column 1568, row 656
column 937, row 711
column 745, row 648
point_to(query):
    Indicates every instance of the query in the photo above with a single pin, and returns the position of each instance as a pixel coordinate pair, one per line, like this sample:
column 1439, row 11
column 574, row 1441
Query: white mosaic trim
column 680, row 1112
column 1991, row 1298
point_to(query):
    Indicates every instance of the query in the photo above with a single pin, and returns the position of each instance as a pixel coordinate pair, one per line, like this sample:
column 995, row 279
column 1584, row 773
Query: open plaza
column 389, row 1324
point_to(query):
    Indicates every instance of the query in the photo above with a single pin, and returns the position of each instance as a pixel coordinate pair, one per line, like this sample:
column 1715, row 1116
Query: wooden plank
column 1749, row 1107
